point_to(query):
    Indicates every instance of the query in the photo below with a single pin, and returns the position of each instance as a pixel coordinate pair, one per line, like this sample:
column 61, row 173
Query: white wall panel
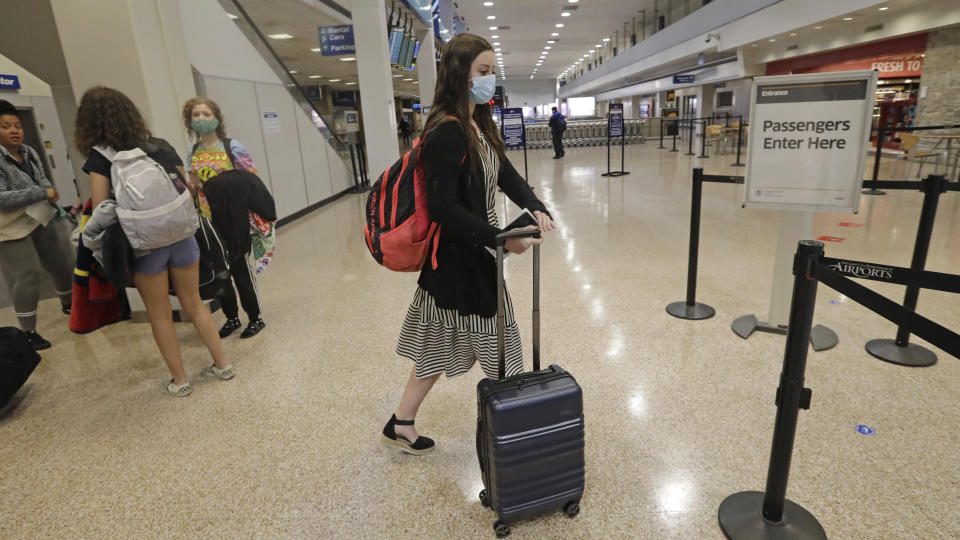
column 341, row 178
column 283, row 149
column 315, row 168
column 238, row 103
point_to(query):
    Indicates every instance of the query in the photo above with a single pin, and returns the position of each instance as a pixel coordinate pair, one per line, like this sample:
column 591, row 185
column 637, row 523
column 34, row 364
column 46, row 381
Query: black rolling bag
column 530, row 434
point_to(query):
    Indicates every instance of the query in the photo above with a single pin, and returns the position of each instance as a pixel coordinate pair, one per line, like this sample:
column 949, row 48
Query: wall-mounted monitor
column 344, row 98
column 581, row 106
column 724, row 99
column 396, row 40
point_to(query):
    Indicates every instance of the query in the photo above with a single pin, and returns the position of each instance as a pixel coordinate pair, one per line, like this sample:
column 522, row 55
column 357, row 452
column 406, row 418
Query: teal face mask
column 483, row 88
column 204, row 127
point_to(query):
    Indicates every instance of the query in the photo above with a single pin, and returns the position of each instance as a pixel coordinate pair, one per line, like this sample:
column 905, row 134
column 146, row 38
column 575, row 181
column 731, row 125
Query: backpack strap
column 106, row 152
column 226, row 147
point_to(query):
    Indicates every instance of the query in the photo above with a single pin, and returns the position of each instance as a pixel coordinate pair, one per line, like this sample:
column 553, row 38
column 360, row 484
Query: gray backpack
column 152, row 211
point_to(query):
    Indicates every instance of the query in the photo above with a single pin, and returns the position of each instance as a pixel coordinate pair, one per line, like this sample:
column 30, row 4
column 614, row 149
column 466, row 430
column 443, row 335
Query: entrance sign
column 615, row 120
column 808, row 141
column 336, row 40
column 9, row 82
column 512, row 122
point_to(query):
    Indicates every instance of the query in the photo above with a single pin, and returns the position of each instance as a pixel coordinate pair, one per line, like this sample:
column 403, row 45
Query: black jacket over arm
column 465, row 278
column 231, row 195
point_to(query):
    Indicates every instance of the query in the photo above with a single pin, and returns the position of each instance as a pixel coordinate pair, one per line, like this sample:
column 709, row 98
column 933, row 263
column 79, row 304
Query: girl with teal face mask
column 213, row 154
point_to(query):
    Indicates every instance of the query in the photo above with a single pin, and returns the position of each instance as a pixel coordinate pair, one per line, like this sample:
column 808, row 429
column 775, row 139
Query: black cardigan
column 465, row 278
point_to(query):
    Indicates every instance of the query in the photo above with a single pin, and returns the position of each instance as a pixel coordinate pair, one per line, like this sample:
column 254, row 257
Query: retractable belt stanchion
column 661, row 147
column 900, row 351
column 690, row 151
column 876, row 165
column 703, row 143
column 739, row 143
column 769, row 514
column 359, row 182
column 690, row 309
column 676, row 129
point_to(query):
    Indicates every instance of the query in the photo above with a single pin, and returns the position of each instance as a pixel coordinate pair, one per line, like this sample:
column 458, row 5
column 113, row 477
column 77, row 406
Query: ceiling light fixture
column 551, row 41
column 293, row 72
column 493, row 28
column 488, row 4
column 316, row 76
column 547, row 48
column 848, row 18
column 496, row 43
column 884, row 8
column 772, row 40
column 494, row 37
column 498, row 49
column 348, row 59
column 559, row 25
column 397, row 76
column 232, row 16
column 606, row 39
column 334, row 80
column 554, row 34
column 317, row 49
column 408, row 80
column 817, row 27
column 491, row 17
column 793, row 35
column 280, row 36
column 351, row 83
column 565, row 14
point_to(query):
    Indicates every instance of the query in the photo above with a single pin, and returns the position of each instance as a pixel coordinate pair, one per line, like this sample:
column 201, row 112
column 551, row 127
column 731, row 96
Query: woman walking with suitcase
column 451, row 322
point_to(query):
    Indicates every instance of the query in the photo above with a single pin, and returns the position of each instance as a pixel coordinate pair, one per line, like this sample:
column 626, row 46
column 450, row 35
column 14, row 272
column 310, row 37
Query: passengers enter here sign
column 808, row 136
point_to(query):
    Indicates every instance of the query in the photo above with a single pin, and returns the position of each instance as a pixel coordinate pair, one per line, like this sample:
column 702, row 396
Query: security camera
column 712, row 36
column 708, row 39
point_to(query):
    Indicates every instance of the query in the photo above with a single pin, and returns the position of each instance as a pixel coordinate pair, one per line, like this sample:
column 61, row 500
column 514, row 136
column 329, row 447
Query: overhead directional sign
column 808, row 137
column 9, row 82
column 337, row 40
column 683, row 79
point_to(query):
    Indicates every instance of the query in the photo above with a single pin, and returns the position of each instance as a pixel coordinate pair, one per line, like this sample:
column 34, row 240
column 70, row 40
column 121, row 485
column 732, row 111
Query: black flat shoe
column 229, row 327
column 66, row 308
column 36, row 341
column 390, row 439
column 253, row 328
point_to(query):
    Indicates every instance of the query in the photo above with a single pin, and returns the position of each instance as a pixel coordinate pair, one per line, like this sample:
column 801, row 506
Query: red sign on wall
column 889, row 66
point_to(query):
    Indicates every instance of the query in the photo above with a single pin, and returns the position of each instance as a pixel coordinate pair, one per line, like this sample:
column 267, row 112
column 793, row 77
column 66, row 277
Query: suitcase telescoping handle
column 501, row 308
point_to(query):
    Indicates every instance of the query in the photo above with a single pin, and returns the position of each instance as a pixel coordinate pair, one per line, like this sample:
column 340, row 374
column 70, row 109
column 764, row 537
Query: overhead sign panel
column 337, row 40
column 9, row 82
column 683, row 79
column 808, row 136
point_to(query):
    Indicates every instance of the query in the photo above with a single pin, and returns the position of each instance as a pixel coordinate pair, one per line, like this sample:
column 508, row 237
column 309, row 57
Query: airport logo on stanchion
column 865, row 430
column 865, row 270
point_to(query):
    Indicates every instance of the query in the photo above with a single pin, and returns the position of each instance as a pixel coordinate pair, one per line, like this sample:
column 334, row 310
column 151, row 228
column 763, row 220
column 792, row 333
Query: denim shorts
column 183, row 253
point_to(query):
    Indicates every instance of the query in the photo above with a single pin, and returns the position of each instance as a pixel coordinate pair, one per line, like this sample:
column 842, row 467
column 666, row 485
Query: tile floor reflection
column 679, row 414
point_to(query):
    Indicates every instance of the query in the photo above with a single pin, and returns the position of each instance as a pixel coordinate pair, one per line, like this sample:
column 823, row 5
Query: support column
column 142, row 55
column 376, row 83
column 427, row 68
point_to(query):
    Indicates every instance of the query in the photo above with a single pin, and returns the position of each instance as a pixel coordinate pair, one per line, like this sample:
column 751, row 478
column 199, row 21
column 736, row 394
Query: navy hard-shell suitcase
column 530, row 431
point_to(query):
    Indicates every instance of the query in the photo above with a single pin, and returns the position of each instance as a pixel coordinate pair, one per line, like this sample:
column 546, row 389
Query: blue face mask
column 483, row 89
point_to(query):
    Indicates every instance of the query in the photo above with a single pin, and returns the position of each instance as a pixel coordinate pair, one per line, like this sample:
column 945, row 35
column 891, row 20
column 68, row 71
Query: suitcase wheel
column 484, row 498
column 502, row 529
column 572, row 509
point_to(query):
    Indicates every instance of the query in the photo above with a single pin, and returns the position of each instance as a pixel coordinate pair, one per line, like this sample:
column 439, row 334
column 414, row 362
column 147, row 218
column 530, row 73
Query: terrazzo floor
column 679, row 414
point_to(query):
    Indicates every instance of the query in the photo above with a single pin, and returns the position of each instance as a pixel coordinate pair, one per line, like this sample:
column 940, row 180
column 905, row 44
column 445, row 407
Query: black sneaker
column 36, row 341
column 253, row 328
column 229, row 327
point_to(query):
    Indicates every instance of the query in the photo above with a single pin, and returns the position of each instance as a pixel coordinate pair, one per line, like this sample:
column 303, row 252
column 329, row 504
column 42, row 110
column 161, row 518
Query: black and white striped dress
column 441, row 340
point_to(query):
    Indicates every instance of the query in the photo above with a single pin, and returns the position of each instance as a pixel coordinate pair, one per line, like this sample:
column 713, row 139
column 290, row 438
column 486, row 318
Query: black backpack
column 17, row 362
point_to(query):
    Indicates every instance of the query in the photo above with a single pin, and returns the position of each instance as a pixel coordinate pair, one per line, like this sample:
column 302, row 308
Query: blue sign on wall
column 615, row 120
column 9, row 82
column 512, row 122
column 335, row 40
column 683, row 79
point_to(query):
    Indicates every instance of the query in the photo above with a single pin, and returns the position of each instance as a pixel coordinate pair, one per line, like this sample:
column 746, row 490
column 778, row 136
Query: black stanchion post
column 608, row 154
column 359, row 182
column 703, row 143
column 739, row 143
column 690, row 309
column 900, row 351
column 690, row 151
column 676, row 129
column 770, row 515
column 876, row 165
column 661, row 147
column 623, row 155
column 526, row 173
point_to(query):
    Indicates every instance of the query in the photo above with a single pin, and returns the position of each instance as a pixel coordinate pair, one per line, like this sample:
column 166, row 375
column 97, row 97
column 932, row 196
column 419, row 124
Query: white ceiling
column 301, row 20
column 532, row 21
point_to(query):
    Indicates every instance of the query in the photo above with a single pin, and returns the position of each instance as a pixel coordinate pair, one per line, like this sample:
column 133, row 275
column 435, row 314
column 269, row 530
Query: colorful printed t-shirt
column 209, row 162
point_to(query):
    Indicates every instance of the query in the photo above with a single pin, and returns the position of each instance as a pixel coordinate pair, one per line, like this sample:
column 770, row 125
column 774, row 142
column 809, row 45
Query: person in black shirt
column 108, row 119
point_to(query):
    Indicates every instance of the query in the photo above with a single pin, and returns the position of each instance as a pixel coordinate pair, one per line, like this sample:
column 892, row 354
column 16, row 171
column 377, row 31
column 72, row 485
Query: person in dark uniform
column 558, row 124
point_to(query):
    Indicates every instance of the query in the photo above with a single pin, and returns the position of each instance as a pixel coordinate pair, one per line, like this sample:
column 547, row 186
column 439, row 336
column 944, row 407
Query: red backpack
column 398, row 229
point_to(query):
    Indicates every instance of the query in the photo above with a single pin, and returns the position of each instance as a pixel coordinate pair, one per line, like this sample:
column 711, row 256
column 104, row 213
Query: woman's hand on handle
column 519, row 245
column 544, row 221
